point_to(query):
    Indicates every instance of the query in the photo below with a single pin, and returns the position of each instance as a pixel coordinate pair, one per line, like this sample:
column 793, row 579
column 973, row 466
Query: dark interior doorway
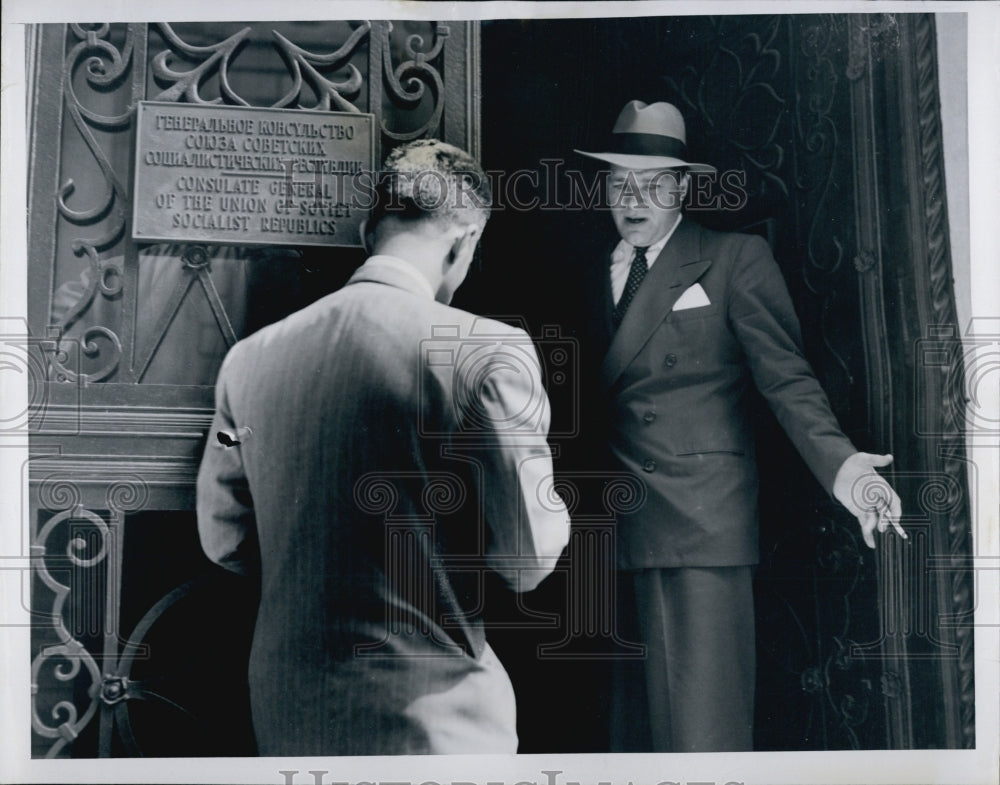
column 776, row 98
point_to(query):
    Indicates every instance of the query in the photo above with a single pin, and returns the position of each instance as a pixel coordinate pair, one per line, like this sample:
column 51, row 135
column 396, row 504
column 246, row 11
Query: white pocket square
column 694, row 297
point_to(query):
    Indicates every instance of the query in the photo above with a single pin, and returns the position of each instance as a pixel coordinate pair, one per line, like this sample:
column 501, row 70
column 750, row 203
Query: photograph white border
column 917, row 766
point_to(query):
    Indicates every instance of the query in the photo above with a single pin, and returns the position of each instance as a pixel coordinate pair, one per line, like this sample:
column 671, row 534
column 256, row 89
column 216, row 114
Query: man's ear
column 472, row 233
column 467, row 236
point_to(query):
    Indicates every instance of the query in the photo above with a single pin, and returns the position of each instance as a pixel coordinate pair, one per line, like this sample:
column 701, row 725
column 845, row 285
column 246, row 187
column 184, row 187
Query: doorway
column 810, row 109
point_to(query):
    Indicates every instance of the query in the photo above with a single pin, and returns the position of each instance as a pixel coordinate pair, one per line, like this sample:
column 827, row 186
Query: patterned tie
column 635, row 275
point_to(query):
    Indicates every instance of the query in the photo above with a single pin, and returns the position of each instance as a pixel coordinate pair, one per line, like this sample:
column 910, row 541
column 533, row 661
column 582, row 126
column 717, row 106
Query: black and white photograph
column 546, row 393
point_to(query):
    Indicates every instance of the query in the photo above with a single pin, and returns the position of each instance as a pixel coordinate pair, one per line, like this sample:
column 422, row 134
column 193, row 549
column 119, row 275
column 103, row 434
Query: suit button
column 670, row 360
column 648, row 417
column 649, row 465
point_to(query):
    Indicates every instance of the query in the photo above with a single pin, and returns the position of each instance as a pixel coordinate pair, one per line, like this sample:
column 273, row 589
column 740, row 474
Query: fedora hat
column 649, row 136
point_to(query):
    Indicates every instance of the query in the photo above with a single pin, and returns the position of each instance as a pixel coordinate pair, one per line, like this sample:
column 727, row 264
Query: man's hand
column 869, row 498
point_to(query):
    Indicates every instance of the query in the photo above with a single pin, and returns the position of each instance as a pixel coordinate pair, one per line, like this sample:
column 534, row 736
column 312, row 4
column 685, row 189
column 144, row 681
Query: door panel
column 126, row 339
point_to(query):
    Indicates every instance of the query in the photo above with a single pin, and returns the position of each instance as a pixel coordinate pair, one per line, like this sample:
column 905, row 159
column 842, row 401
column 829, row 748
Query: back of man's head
column 430, row 181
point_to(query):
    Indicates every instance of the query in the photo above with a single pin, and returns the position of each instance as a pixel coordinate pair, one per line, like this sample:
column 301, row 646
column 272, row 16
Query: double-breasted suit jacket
column 381, row 450
column 712, row 317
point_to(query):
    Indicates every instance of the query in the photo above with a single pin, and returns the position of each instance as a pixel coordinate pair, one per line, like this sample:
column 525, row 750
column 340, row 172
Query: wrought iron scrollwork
column 81, row 553
column 185, row 84
column 105, row 65
column 418, row 73
column 303, row 65
column 70, row 720
column 329, row 94
column 93, row 48
column 105, row 277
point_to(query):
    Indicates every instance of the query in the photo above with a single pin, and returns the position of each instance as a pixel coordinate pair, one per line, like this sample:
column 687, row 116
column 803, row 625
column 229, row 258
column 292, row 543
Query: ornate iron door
column 126, row 339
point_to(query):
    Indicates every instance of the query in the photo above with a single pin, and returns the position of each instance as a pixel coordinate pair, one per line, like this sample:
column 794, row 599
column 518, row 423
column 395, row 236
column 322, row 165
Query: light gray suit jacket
column 390, row 450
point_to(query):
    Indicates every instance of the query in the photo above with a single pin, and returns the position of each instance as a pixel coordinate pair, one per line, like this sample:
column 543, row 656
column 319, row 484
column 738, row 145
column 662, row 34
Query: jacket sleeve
column 764, row 321
column 226, row 523
column 526, row 522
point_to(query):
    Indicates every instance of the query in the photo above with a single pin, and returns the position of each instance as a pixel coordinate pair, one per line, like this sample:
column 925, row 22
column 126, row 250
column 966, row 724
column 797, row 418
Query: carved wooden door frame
column 917, row 403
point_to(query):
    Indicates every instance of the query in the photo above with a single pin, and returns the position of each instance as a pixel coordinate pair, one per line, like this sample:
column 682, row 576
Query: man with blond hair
column 370, row 456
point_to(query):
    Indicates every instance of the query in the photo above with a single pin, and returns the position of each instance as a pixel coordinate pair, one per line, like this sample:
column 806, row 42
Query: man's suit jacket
column 384, row 449
column 674, row 388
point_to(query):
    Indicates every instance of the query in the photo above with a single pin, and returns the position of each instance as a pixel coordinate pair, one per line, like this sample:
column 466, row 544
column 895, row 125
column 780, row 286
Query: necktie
column 635, row 275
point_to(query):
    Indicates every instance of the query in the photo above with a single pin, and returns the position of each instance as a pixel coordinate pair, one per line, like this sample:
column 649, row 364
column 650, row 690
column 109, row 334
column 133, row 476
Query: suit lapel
column 677, row 267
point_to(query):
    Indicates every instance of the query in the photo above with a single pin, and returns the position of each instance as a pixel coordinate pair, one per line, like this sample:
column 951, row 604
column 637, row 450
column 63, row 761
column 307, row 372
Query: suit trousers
column 694, row 689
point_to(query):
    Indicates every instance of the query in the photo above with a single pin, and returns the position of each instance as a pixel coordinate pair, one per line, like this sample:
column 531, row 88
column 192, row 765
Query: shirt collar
column 624, row 250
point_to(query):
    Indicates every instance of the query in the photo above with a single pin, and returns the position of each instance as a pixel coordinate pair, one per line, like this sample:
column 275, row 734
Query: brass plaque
column 246, row 176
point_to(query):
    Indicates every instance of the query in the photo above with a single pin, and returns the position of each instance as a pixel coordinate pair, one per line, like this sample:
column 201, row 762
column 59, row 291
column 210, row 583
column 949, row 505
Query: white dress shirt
column 621, row 260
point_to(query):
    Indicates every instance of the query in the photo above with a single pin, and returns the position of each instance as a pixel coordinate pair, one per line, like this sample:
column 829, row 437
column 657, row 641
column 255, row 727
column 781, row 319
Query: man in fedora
column 683, row 321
